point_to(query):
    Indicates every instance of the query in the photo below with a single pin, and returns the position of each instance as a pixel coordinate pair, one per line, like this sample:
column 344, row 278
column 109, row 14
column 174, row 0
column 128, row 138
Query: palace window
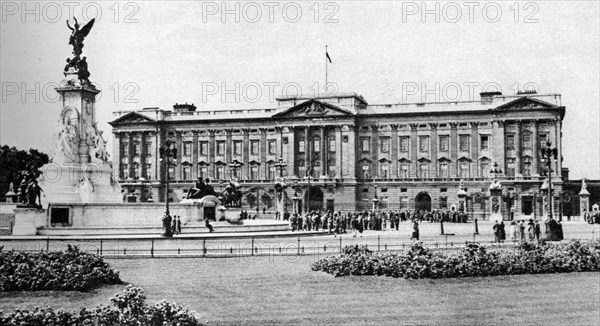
column 526, row 166
column 271, row 171
column 366, row 168
column 272, row 146
column 424, row 143
column 125, row 149
column 365, row 194
column 254, row 147
column 403, row 171
column 221, row 147
column 202, row 171
column 485, row 142
column 443, row 169
column 136, row 149
column 316, row 145
column 204, row 148
column 187, row 148
column 365, row 144
column 316, row 169
column 136, row 171
column 148, row 175
column 404, row 144
column 220, row 172
column 171, row 172
column 148, row 149
column 254, row 172
column 125, row 171
column 403, row 202
column 510, row 167
column 485, row 169
column 384, row 170
column 424, row 170
column 443, row 202
column 237, row 147
column 510, row 142
column 463, row 169
column 526, row 140
column 331, row 168
column 186, row 172
column 543, row 140
column 444, row 143
column 463, row 143
column 331, row 145
column 384, row 143
column 301, row 146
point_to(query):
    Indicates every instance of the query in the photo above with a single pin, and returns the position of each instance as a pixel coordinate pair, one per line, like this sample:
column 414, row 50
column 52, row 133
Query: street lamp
column 548, row 153
column 308, row 177
column 166, row 154
column 279, row 185
column 496, row 171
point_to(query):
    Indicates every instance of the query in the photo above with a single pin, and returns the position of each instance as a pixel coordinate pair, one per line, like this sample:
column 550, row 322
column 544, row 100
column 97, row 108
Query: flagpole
column 326, row 72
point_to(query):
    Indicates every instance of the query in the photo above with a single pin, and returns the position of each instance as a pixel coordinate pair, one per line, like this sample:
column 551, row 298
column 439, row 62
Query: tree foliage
column 13, row 161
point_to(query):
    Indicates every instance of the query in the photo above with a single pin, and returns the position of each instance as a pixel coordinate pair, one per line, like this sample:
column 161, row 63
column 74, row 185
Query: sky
column 221, row 55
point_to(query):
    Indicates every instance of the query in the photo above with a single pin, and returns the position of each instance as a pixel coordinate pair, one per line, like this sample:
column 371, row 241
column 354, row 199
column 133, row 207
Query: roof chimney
column 487, row 97
column 184, row 107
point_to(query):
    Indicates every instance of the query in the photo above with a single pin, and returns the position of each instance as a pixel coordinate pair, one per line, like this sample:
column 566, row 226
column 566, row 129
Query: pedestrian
column 354, row 225
column 415, row 233
column 502, row 232
column 496, row 229
column 208, row 225
column 538, row 231
column 530, row 230
column 522, row 231
column 513, row 230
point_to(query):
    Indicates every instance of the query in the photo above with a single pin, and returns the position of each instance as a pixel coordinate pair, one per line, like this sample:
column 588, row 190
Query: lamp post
column 308, row 177
column 375, row 199
column 496, row 170
column 496, row 194
column 166, row 154
column 548, row 153
column 279, row 186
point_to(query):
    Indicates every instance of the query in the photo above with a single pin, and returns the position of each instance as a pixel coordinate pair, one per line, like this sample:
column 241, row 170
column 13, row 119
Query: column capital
column 211, row 132
column 433, row 125
column 453, row 125
column 500, row 123
column 474, row 124
column 414, row 126
column 394, row 126
column 375, row 127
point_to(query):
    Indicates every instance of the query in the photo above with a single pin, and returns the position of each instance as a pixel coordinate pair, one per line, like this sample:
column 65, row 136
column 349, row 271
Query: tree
column 13, row 161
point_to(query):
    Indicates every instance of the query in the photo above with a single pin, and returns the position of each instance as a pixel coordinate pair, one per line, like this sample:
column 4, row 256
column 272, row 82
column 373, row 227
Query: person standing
column 513, row 230
column 522, row 231
column 502, row 232
column 496, row 229
column 415, row 233
column 537, row 230
column 530, row 230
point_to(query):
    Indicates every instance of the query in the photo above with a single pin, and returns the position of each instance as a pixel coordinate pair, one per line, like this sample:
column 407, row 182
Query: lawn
column 283, row 290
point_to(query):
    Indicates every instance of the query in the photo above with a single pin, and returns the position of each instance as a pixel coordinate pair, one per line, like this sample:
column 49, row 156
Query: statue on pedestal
column 78, row 64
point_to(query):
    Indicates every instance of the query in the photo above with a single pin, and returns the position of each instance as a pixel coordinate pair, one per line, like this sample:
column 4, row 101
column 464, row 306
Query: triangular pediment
column 312, row 108
column 526, row 103
column 131, row 117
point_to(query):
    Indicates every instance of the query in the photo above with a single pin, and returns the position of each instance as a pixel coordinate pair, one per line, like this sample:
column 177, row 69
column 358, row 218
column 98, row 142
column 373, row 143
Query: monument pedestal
column 28, row 220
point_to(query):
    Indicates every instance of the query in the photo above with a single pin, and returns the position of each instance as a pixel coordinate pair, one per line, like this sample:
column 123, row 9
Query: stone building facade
column 342, row 153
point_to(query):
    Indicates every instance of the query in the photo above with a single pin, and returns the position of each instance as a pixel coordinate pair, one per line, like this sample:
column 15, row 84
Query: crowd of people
column 519, row 231
column 592, row 217
column 339, row 222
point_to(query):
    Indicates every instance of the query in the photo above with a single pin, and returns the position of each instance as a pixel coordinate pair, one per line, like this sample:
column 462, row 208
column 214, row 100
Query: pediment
column 526, row 103
column 131, row 117
column 313, row 108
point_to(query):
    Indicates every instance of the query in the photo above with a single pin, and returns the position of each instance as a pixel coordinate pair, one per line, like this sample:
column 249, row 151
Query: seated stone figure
column 231, row 196
column 201, row 188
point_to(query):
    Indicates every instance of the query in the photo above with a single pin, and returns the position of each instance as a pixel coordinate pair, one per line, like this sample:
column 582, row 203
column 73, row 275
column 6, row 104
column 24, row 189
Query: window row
column 136, row 148
column 237, row 147
column 423, row 145
column 426, row 170
column 316, row 145
column 526, row 140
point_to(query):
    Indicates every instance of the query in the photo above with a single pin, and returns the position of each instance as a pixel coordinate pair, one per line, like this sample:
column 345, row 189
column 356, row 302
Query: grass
column 283, row 290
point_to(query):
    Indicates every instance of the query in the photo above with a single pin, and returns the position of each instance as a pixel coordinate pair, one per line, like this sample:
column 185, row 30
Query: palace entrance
column 315, row 201
column 423, row 202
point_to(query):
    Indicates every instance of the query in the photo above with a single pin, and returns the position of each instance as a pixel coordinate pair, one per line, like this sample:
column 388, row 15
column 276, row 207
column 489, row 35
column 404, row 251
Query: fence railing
column 241, row 247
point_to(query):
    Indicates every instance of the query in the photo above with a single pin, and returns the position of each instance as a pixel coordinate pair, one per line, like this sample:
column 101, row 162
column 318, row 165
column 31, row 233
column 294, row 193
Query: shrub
column 63, row 271
column 129, row 308
column 473, row 260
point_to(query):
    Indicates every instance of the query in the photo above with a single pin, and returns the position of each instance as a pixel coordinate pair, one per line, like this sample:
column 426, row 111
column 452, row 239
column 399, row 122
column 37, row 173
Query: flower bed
column 63, row 271
column 473, row 260
column 129, row 308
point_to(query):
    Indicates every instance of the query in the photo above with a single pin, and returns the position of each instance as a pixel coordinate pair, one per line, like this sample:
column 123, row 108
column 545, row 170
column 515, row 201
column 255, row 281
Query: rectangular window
column 148, row 149
column 271, row 170
column 444, row 143
column 316, row 145
column 404, row 144
column 424, row 143
column 332, row 145
column 543, row 140
column 301, row 169
column 463, row 169
column 171, row 172
column 272, row 147
column 366, row 171
column 125, row 149
column 526, row 140
column 187, row 148
column 204, row 148
column 125, row 171
column 510, row 141
column 220, row 173
column 237, row 147
column 403, row 202
column 485, row 142
column 136, row 149
column 424, row 170
column 463, row 141
column 384, row 144
column 443, row 170
column 365, row 144
column 148, row 175
column 403, row 173
column 202, row 171
column 187, row 173
column 331, row 168
column 254, row 172
column 485, row 169
column 254, row 147
column 510, row 167
column 384, row 170
column 221, row 147
column 301, row 146
column 443, row 202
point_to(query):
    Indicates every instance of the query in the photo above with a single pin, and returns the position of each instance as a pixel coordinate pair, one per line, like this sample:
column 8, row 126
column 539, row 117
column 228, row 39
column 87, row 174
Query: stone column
column 453, row 168
column 245, row 170
column 338, row 152
column 117, row 155
column 394, row 152
column 535, row 148
column 374, row 152
column 228, row 152
column 263, row 153
column 474, row 150
column 156, row 169
column 130, row 152
column 195, row 174
column 143, row 155
column 351, row 133
column 179, row 146
column 414, row 149
column 558, row 144
column 518, row 148
column 434, row 148
column 291, row 152
column 498, row 149
column 323, row 153
column 211, row 154
column 307, row 161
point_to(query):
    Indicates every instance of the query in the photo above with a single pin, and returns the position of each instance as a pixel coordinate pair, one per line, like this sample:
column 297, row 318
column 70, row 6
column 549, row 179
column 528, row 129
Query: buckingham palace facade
column 350, row 153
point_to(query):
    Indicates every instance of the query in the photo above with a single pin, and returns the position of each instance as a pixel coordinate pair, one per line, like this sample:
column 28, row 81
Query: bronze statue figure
column 78, row 63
